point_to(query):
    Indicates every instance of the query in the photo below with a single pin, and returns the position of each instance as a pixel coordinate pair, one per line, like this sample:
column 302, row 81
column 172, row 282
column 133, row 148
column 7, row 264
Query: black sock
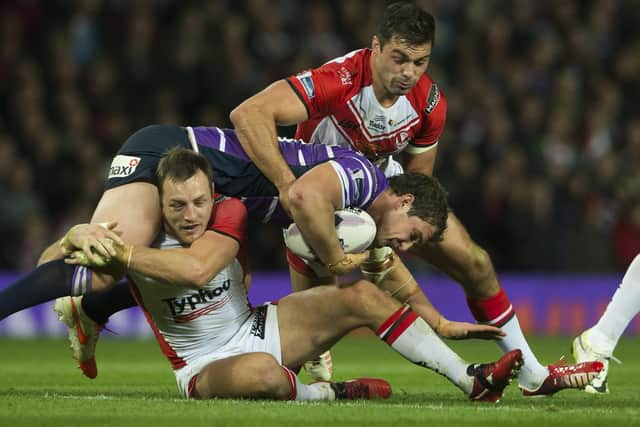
column 100, row 305
column 47, row 282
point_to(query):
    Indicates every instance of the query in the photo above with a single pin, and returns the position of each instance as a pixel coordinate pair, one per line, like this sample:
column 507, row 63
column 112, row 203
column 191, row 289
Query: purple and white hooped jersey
column 235, row 175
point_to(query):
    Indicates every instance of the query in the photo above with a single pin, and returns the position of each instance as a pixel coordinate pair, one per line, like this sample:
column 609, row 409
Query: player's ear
column 408, row 199
column 375, row 44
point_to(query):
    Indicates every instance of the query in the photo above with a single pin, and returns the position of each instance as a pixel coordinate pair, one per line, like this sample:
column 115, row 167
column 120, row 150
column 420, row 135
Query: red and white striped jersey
column 189, row 323
column 344, row 111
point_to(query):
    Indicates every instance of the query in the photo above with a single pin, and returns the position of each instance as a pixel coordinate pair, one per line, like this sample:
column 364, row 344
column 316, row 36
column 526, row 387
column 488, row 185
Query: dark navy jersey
column 235, row 175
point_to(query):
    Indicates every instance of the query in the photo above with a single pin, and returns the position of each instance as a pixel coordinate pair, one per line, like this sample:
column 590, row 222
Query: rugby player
column 192, row 286
column 381, row 102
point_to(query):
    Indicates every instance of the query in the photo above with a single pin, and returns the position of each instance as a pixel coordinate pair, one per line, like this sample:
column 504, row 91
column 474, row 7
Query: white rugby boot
column 320, row 368
column 583, row 350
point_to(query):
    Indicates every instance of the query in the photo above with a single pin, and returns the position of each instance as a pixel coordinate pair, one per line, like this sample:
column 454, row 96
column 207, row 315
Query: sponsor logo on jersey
column 378, row 123
column 259, row 320
column 432, row 98
column 402, row 140
column 123, row 166
column 394, row 123
column 345, row 76
column 187, row 308
column 307, row 83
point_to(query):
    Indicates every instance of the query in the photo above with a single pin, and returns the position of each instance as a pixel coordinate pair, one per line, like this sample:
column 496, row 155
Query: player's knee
column 271, row 382
column 363, row 297
column 479, row 266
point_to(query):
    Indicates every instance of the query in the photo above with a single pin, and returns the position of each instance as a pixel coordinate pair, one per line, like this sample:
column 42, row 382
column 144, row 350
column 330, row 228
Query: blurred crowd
column 538, row 153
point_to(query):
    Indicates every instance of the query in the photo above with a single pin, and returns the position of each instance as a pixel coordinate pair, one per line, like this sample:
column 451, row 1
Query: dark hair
column 180, row 164
column 407, row 21
column 430, row 199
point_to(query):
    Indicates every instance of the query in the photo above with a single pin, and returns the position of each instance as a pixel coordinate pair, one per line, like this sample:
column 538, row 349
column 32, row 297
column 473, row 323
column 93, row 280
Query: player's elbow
column 248, row 112
column 301, row 198
column 238, row 114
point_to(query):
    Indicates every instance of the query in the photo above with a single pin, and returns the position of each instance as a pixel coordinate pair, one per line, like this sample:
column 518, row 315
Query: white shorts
column 259, row 333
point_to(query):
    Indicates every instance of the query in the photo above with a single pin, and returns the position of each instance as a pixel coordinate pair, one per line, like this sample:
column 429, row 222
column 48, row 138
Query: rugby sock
column 47, row 282
column 622, row 308
column 100, row 305
column 315, row 391
column 414, row 339
column 498, row 311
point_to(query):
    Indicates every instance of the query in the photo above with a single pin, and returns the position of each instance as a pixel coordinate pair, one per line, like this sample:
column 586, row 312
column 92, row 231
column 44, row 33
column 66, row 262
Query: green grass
column 40, row 386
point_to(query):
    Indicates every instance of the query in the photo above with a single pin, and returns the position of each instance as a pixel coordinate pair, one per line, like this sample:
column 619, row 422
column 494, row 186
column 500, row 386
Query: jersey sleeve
column 230, row 218
column 434, row 117
column 360, row 180
column 319, row 89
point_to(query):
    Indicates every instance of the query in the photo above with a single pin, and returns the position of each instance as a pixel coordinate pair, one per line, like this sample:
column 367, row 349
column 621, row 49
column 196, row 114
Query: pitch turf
column 40, row 385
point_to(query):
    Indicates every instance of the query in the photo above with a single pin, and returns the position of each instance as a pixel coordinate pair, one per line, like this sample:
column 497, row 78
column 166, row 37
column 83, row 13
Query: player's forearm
column 400, row 284
column 314, row 216
column 420, row 304
column 256, row 132
column 175, row 266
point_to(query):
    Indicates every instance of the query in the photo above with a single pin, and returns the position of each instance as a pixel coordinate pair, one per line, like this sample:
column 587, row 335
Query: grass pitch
column 41, row 386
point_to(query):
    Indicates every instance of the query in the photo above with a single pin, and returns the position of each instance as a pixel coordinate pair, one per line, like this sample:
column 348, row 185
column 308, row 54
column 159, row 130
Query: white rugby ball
column 355, row 228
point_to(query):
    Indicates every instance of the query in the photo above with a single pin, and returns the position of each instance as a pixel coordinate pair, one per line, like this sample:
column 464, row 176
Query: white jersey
column 188, row 323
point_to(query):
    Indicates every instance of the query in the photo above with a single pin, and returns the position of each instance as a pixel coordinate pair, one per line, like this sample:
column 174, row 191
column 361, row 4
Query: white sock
column 532, row 373
column 315, row 391
column 414, row 339
column 498, row 311
column 622, row 308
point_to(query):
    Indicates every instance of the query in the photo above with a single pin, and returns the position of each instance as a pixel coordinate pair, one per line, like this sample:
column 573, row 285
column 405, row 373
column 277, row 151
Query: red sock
column 292, row 380
column 496, row 310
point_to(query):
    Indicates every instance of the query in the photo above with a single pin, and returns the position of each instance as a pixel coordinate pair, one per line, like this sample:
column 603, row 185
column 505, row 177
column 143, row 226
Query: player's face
column 397, row 66
column 401, row 231
column 186, row 207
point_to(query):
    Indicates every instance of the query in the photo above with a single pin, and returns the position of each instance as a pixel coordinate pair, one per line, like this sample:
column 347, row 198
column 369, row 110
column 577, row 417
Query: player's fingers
column 360, row 257
column 103, row 247
column 115, row 236
column 486, row 332
column 79, row 257
column 72, row 261
column 489, row 330
column 110, row 225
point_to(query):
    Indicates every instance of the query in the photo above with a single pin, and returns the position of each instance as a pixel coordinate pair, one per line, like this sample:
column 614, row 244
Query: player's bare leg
column 470, row 265
column 320, row 368
column 260, row 376
column 252, row 375
column 312, row 321
column 136, row 209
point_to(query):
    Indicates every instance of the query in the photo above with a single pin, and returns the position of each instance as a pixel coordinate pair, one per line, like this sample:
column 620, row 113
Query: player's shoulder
column 227, row 211
column 348, row 68
column 355, row 58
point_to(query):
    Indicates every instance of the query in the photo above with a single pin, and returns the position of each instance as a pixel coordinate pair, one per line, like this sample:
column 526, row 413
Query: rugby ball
column 355, row 228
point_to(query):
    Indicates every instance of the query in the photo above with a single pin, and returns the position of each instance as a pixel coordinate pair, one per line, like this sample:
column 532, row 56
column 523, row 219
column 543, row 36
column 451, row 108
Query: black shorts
column 138, row 157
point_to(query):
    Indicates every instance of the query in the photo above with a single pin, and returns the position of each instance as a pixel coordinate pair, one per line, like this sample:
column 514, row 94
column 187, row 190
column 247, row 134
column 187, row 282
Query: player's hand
column 464, row 330
column 284, row 199
column 121, row 257
column 94, row 240
column 348, row 263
